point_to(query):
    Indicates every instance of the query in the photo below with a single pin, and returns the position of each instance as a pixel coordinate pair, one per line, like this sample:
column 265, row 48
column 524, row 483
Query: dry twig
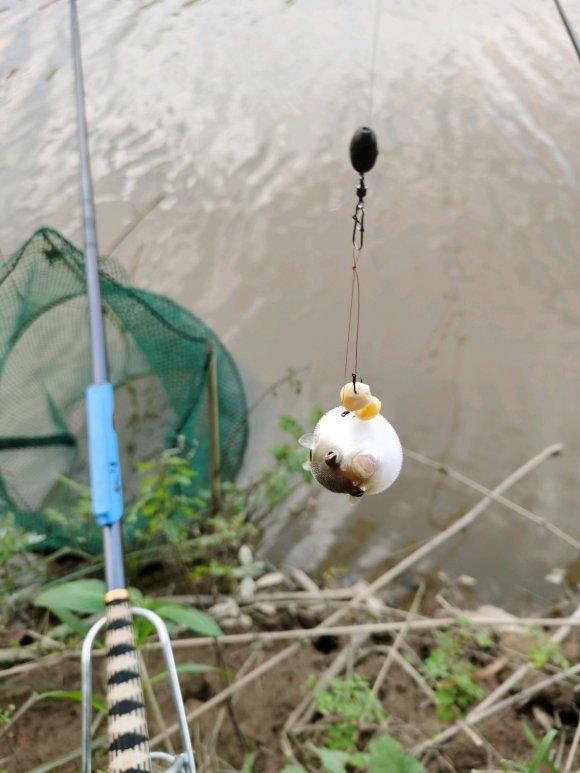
column 394, row 650
column 383, row 580
column 514, row 678
column 573, row 749
column 540, row 520
column 519, row 697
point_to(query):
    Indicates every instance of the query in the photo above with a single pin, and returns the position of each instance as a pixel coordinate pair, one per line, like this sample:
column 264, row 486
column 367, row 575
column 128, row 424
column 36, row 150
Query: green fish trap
column 159, row 356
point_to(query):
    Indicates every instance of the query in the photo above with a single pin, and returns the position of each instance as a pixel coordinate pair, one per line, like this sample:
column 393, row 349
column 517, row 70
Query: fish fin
column 307, row 466
column 364, row 465
column 307, row 441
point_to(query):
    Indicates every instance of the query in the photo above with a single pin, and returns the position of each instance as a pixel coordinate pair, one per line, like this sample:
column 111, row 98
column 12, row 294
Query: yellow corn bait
column 352, row 400
column 370, row 410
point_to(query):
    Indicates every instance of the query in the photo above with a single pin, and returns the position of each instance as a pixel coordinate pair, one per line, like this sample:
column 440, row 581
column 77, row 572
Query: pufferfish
column 351, row 455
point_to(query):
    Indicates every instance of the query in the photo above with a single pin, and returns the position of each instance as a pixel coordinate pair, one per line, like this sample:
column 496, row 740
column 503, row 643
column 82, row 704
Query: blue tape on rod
column 106, row 492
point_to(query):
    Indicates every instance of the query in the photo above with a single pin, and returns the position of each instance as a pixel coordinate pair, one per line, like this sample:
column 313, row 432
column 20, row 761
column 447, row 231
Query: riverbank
column 281, row 671
column 429, row 680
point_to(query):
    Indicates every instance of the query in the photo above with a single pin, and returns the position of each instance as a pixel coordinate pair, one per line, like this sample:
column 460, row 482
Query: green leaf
column 445, row 696
column 293, row 769
column 61, row 631
column 71, row 620
column 143, row 630
column 332, row 761
column 484, row 641
column 72, row 695
column 184, row 668
column 359, row 760
column 191, row 618
column 84, row 596
column 542, row 748
column 316, row 413
column 530, row 736
column 387, row 754
column 291, row 426
column 146, row 465
column 249, row 760
column 136, row 598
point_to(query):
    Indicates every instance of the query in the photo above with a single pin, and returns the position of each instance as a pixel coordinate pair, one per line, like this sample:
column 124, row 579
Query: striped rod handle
column 127, row 723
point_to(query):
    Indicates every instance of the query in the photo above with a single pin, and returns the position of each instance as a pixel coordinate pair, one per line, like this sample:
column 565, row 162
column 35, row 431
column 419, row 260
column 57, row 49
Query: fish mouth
column 336, row 480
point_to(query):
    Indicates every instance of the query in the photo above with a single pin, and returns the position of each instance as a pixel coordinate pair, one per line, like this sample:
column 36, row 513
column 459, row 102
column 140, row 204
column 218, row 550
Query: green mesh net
column 158, row 356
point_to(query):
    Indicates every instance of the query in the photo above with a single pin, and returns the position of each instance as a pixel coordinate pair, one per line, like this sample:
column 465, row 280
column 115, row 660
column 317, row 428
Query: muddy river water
column 230, row 122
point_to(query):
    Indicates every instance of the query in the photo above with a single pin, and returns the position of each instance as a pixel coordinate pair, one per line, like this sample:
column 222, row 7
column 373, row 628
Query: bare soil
column 52, row 728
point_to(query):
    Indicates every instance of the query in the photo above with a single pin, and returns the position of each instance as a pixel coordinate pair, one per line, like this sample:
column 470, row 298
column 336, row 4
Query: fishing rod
column 127, row 722
column 569, row 28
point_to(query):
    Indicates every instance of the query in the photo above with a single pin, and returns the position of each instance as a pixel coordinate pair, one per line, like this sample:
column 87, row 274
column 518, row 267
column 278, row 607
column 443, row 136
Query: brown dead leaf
column 490, row 670
column 543, row 718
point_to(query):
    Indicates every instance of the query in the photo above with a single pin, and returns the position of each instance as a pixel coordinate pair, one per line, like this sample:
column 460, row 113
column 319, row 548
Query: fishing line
column 356, row 149
column 373, row 70
column 353, row 449
column 569, row 28
column 357, row 245
column 363, row 154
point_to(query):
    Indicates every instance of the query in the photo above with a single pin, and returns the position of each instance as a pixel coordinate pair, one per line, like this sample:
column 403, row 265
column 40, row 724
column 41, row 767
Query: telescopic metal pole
column 569, row 28
column 112, row 543
column 127, row 724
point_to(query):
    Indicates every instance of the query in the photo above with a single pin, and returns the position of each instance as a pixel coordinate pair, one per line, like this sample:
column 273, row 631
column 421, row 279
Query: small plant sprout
column 349, row 710
column 544, row 754
column 450, row 671
column 346, row 705
column 544, row 650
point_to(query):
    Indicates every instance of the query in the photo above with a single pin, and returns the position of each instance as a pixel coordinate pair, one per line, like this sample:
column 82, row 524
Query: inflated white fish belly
column 367, row 454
